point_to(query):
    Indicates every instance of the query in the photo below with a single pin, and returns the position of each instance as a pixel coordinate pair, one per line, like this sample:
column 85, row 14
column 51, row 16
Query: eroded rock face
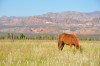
column 87, row 31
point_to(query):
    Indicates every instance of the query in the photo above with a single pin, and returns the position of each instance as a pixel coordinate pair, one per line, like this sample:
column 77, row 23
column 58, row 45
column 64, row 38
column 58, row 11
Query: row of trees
column 22, row 36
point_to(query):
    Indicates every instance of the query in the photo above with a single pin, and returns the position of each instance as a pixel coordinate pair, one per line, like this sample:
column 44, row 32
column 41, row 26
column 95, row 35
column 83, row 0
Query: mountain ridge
column 69, row 21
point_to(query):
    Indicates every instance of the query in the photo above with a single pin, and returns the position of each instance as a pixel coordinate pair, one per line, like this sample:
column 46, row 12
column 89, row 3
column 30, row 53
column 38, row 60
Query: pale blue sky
column 38, row 7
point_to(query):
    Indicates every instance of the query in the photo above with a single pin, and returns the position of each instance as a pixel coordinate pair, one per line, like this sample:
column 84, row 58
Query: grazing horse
column 68, row 39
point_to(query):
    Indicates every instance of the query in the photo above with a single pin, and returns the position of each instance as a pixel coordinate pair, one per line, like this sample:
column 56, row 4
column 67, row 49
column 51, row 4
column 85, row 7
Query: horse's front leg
column 60, row 45
column 70, row 45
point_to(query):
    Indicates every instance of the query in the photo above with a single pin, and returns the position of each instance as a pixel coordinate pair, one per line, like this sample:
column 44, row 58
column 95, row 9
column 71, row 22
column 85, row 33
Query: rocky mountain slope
column 69, row 22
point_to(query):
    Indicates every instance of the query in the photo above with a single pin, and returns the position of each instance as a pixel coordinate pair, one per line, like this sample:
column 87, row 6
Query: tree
column 22, row 36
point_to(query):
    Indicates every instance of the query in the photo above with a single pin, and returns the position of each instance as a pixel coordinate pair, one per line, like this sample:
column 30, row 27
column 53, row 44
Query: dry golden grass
column 46, row 53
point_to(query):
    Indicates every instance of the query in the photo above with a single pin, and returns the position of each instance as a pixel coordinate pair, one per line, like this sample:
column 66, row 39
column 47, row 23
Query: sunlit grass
column 46, row 53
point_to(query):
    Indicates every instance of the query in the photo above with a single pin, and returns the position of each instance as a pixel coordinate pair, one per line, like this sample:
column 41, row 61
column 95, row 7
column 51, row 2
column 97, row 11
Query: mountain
column 69, row 22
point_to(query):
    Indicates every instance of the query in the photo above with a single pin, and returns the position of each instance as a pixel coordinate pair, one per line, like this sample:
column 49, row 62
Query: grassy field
column 46, row 53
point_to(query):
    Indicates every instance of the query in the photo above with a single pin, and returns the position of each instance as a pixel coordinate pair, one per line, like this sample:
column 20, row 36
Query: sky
column 38, row 7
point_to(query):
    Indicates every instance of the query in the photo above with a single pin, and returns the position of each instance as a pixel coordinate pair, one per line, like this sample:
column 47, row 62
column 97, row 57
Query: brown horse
column 68, row 39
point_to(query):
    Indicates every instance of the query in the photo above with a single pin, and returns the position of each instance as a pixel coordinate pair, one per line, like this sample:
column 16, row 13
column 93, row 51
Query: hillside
column 70, row 21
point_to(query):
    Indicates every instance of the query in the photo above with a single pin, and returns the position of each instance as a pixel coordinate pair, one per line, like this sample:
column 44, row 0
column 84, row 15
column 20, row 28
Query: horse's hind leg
column 77, row 46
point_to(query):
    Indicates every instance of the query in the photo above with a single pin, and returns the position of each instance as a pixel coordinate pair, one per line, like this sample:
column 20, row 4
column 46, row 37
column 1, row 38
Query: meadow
column 46, row 53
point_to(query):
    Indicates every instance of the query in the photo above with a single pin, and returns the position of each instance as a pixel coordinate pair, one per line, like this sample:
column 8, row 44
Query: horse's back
column 68, row 38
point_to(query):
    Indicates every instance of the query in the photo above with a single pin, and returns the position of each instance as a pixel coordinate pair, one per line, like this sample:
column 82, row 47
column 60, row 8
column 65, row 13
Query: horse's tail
column 81, row 49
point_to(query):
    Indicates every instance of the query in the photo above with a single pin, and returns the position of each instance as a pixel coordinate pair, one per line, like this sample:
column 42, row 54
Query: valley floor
column 46, row 53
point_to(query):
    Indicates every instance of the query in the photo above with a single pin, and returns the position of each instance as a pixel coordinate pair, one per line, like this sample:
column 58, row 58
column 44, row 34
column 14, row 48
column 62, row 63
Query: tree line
column 21, row 36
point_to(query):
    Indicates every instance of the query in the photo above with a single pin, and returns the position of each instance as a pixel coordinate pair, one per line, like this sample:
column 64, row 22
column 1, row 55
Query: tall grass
column 46, row 53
